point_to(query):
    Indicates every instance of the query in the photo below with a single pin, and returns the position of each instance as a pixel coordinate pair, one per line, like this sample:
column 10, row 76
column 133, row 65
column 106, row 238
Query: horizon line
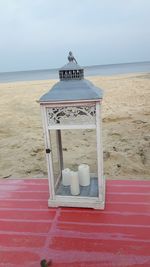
column 88, row 66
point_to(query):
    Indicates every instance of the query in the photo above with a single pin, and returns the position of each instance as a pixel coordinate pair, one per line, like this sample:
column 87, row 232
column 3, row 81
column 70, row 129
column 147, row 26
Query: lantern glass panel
column 78, row 147
column 55, row 157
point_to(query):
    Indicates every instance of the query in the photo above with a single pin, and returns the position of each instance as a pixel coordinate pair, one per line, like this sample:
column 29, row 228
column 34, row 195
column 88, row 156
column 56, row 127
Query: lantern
column 71, row 115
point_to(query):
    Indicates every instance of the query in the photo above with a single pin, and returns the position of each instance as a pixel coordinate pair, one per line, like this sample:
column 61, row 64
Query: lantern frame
column 65, row 115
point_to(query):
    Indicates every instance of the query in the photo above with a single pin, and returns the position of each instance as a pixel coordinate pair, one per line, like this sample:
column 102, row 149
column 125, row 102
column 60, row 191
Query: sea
column 101, row 70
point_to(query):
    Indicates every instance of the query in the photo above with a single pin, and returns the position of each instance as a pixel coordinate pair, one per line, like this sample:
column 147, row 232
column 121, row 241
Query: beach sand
column 126, row 129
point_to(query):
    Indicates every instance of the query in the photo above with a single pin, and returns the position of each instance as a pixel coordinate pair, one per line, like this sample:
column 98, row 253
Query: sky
column 38, row 34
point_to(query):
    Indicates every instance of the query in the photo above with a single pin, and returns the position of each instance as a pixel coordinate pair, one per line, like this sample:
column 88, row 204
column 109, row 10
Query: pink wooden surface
column 117, row 236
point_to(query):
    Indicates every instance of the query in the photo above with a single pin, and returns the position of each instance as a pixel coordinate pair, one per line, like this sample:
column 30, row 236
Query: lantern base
column 95, row 204
column 80, row 201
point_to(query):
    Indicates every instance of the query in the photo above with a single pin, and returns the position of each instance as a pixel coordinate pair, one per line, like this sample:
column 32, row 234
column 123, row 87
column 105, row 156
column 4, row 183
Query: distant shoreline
column 88, row 66
column 95, row 70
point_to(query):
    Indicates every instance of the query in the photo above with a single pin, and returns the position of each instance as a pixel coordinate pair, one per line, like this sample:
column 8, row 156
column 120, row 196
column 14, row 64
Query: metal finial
column 71, row 58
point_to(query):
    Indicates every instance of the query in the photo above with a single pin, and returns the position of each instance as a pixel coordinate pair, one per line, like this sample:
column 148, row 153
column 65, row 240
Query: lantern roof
column 72, row 85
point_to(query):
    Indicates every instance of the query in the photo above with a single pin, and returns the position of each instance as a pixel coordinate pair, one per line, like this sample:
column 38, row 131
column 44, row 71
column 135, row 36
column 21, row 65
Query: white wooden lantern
column 73, row 104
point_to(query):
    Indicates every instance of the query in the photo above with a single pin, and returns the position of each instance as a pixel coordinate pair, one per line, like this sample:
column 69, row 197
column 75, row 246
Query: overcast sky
column 38, row 34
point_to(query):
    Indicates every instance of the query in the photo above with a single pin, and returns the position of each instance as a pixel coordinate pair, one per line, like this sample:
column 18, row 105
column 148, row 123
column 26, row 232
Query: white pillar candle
column 66, row 176
column 74, row 186
column 84, row 174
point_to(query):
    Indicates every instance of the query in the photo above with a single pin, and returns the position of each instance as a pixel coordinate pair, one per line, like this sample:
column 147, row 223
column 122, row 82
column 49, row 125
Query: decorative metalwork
column 73, row 115
column 71, row 74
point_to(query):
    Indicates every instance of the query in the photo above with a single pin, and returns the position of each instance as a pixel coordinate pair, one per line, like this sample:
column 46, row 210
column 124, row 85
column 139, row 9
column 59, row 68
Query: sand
column 126, row 129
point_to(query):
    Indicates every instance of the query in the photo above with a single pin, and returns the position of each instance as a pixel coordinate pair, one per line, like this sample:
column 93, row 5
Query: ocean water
column 102, row 70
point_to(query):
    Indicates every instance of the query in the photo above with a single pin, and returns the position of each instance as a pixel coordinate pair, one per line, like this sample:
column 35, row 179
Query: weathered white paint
column 73, row 201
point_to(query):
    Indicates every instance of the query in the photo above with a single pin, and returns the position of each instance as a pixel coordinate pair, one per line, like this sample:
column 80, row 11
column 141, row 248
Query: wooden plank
column 24, row 195
column 105, row 231
column 25, row 227
column 23, row 204
column 27, row 215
